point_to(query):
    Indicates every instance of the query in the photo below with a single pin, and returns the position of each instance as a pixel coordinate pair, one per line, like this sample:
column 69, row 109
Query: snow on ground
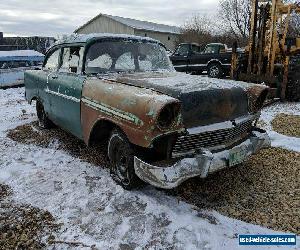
column 279, row 140
column 93, row 209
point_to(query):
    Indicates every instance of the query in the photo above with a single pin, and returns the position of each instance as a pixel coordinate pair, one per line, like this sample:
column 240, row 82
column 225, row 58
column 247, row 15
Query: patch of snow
column 180, row 82
column 82, row 38
column 279, row 140
column 93, row 209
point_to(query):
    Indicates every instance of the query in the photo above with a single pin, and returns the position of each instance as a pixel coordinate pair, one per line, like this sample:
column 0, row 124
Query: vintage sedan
column 161, row 126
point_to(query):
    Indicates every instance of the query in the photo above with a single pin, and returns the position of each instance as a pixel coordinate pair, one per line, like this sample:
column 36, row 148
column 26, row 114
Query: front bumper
column 201, row 165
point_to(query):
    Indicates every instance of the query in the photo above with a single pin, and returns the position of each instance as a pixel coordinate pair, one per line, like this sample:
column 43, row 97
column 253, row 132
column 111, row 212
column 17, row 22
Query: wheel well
column 214, row 62
column 33, row 99
column 101, row 131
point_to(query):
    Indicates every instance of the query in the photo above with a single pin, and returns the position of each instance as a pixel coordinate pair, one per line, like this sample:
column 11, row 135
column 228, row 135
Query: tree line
column 231, row 24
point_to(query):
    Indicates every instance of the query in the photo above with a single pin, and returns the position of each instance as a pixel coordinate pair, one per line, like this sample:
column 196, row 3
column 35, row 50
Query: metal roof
column 138, row 25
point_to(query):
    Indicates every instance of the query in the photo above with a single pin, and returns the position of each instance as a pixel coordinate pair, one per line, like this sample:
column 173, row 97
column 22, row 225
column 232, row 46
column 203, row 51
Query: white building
column 103, row 23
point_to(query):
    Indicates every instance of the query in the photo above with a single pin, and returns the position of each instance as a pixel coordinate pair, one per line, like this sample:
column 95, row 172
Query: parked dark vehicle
column 215, row 59
column 162, row 126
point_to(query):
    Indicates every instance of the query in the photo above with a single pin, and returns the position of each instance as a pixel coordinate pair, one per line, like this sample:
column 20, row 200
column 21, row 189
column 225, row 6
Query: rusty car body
column 162, row 126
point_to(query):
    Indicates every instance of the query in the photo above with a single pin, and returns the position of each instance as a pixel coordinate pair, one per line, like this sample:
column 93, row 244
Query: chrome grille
column 194, row 142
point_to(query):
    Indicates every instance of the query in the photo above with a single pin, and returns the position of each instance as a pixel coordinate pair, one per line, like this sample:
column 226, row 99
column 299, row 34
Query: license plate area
column 236, row 156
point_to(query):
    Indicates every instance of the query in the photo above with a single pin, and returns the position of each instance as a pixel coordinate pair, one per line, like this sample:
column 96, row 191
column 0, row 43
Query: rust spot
column 124, row 108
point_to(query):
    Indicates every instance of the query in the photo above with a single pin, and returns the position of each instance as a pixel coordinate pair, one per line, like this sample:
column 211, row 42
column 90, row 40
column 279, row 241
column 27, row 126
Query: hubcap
column 214, row 71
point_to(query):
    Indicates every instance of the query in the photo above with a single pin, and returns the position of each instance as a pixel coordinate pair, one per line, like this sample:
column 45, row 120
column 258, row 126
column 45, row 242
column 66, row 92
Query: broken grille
column 195, row 142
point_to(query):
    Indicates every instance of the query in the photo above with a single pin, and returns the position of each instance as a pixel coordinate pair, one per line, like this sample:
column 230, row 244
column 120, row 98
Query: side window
column 53, row 60
column 212, row 49
column 195, row 48
column 182, row 50
column 125, row 62
column 71, row 60
column 101, row 63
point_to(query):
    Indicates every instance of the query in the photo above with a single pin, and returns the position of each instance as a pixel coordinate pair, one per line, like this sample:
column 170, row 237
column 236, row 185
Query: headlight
column 256, row 101
column 168, row 116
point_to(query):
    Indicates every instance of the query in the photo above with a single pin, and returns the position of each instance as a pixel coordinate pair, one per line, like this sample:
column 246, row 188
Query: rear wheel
column 44, row 121
column 121, row 156
column 215, row 70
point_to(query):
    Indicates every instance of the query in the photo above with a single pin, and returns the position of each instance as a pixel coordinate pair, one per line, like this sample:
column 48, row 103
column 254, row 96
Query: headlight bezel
column 256, row 100
column 169, row 116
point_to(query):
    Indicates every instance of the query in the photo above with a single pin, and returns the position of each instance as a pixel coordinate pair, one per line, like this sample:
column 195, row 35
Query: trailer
column 14, row 63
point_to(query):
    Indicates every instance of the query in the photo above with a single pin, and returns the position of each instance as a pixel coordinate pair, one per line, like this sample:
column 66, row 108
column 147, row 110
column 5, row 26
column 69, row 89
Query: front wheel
column 121, row 156
column 215, row 70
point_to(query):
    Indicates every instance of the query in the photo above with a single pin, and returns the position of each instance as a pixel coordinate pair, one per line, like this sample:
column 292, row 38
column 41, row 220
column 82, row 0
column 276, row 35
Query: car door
column 46, row 77
column 197, row 63
column 211, row 53
column 66, row 87
column 180, row 58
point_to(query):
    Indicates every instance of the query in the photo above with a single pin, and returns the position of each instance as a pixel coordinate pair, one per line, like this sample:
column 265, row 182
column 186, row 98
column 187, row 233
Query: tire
column 44, row 121
column 121, row 156
column 215, row 70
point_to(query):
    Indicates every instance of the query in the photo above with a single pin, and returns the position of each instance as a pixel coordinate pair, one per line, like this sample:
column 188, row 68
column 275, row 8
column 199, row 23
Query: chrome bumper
column 201, row 165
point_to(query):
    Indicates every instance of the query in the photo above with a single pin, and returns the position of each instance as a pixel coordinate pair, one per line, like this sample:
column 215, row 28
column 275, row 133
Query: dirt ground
column 287, row 125
column 263, row 191
column 23, row 226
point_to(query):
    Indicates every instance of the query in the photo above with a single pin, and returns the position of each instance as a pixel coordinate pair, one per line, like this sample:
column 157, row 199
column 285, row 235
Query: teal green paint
column 57, row 96
column 65, row 109
column 152, row 112
column 128, row 102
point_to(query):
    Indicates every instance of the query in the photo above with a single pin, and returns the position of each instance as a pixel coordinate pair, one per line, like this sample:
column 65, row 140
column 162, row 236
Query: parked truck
column 215, row 59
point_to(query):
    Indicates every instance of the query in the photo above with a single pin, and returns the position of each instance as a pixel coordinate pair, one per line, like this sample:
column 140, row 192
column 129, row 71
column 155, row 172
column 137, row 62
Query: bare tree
column 203, row 30
column 294, row 27
column 236, row 15
column 197, row 29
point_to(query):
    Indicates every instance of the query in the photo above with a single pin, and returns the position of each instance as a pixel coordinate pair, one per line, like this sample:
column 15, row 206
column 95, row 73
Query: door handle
column 54, row 77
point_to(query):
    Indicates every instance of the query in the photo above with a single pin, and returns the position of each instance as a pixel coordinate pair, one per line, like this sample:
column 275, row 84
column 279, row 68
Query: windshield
column 126, row 56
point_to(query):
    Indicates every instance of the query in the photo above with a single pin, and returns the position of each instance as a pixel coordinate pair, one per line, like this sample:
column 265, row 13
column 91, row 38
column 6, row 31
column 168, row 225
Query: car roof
column 222, row 44
column 85, row 38
column 197, row 44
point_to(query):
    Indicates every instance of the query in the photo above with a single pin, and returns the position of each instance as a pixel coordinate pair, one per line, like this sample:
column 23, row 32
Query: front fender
column 133, row 109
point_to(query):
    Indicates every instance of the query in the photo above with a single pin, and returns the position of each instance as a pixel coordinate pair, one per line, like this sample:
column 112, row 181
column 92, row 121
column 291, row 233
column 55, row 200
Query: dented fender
column 133, row 109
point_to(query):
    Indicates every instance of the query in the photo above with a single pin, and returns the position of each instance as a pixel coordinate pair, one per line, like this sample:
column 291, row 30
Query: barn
column 103, row 23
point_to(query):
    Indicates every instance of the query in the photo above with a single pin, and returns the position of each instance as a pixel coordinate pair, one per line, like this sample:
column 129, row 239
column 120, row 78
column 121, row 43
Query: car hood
column 204, row 100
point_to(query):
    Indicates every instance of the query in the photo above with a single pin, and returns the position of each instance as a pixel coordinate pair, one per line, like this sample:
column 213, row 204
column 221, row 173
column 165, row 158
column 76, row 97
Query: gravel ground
column 23, row 226
column 263, row 191
column 287, row 125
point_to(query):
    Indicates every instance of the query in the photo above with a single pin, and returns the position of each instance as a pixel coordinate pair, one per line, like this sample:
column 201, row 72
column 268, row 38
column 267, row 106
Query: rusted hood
column 204, row 100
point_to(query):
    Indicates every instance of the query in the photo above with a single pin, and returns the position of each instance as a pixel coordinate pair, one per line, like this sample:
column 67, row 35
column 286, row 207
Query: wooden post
column 285, row 78
column 234, row 62
column 252, row 36
column 273, row 39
